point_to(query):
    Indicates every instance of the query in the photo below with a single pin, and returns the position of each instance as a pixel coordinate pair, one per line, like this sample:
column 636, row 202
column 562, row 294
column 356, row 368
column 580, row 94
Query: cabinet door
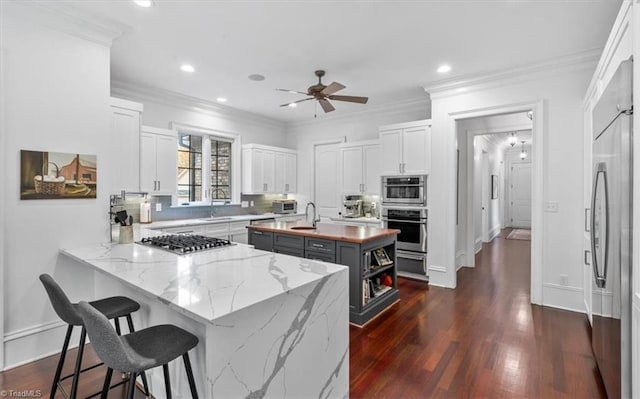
column 166, row 164
column 280, row 175
column 371, row 169
column 255, row 167
column 291, row 173
column 125, row 165
column 391, row 145
column 415, row 147
column 268, row 171
column 148, row 181
column 351, row 166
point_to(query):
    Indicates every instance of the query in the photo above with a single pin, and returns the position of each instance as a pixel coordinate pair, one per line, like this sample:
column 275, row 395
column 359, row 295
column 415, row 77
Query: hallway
column 482, row 339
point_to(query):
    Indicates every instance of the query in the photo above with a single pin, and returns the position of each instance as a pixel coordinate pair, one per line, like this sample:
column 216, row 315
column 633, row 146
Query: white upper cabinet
column 158, row 160
column 406, row 148
column 267, row 169
column 125, row 138
column 360, row 168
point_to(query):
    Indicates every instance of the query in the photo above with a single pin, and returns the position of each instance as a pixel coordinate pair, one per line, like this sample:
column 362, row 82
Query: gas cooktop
column 183, row 244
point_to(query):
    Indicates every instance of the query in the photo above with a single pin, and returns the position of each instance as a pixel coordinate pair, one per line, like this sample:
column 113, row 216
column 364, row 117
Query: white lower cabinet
column 238, row 232
column 184, row 230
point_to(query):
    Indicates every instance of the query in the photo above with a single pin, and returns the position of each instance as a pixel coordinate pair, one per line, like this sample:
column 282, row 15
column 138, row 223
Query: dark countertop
column 354, row 234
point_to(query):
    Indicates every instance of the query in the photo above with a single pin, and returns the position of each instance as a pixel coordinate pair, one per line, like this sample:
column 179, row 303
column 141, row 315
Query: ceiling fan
column 324, row 93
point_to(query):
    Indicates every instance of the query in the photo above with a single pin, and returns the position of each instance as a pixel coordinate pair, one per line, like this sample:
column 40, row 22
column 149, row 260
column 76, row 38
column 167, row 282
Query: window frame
column 236, row 153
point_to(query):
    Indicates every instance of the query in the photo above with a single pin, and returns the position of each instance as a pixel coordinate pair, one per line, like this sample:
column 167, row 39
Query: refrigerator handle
column 601, row 168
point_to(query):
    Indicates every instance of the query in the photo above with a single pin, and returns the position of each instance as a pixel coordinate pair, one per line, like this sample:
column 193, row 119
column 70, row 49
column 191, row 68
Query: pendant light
column 513, row 139
column 523, row 153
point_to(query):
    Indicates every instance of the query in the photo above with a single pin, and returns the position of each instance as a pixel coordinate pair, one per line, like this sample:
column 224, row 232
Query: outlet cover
column 251, row 203
column 158, row 207
column 244, row 204
column 551, row 206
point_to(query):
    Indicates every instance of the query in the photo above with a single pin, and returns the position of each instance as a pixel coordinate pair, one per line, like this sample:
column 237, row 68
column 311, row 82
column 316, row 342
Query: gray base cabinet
column 368, row 294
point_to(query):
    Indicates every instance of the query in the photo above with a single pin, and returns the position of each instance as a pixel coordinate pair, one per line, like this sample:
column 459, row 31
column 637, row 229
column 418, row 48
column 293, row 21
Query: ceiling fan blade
column 293, row 91
column 351, row 99
column 326, row 105
column 299, row 101
column 332, row 88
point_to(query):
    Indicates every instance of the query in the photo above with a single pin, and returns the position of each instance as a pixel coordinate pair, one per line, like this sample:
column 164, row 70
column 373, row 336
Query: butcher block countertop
column 337, row 232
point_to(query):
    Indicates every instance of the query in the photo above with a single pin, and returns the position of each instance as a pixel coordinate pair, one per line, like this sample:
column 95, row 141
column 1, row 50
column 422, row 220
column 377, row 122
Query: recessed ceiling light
column 143, row 3
column 293, row 105
column 187, row 68
column 444, row 68
column 256, row 77
column 221, row 100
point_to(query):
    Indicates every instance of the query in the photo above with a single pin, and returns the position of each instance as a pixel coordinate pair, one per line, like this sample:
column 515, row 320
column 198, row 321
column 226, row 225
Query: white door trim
column 537, row 189
column 3, row 178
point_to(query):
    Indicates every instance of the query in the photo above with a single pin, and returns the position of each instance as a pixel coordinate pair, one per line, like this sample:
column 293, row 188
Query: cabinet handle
column 286, row 187
column 317, row 245
column 586, row 220
column 258, row 233
column 158, row 185
column 155, row 185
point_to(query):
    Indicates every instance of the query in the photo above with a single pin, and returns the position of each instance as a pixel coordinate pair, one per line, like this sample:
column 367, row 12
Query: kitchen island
column 369, row 252
column 270, row 325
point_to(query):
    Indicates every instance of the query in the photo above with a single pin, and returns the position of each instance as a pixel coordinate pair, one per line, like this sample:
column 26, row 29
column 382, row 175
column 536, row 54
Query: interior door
column 520, row 195
column 327, row 196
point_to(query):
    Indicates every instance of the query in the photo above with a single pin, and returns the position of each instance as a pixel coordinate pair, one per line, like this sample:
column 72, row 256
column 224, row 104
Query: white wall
column 355, row 127
column 56, row 92
column 561, row 92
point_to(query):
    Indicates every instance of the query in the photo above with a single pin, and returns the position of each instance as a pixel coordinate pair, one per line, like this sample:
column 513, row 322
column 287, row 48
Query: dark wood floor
column 482, row 340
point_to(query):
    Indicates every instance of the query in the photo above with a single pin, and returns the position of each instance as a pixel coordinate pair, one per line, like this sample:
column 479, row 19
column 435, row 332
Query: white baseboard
column 563, row 297
column 460, row 255
column 36, row 342
column 495, row 232
column 438, row 276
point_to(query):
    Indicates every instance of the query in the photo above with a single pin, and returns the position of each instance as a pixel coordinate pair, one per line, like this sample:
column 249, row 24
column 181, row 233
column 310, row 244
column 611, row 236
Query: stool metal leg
column 143, row 375
column 116, row 321
column 76, row 377
column 132, row 386
column 107, row 383
column 167, row 381
column 192, row 382
column 63, row 354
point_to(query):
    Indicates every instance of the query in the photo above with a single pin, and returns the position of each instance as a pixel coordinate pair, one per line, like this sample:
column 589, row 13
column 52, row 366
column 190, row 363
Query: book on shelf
column 381, row 257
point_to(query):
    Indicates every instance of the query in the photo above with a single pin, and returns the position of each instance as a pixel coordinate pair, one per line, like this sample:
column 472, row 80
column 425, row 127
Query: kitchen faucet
column 306, row 213
column 213, row 191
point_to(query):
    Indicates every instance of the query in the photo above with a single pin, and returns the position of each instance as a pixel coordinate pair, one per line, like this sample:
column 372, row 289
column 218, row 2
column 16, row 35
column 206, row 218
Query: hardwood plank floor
column 482, row 340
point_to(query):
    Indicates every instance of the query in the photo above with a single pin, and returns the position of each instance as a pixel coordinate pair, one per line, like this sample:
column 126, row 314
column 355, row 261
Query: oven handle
column 404, row 221
column 406, row 255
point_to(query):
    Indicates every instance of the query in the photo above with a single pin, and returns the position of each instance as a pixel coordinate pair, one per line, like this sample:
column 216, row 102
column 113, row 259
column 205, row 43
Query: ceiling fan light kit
column 323, row 94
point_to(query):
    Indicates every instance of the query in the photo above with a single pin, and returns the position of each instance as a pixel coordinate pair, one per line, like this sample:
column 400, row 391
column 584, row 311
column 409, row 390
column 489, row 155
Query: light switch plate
column 158, row 207
column 551, row 206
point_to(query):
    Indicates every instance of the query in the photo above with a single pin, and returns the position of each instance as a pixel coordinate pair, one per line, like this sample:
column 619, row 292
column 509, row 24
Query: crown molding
column 153, row 94
column 398, row 107
column 65, row 18
column 481, row 81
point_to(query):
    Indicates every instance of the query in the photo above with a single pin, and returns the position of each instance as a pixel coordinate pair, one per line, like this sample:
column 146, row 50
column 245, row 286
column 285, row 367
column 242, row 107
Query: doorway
column 326, row 194
column 495, row 184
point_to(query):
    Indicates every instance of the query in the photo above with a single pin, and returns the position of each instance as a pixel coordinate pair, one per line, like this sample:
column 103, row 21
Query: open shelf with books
column 378, row 277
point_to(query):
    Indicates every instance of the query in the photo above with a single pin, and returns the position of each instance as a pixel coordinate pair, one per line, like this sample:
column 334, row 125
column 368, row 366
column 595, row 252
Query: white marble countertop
column 205, row 285
column 164, row 224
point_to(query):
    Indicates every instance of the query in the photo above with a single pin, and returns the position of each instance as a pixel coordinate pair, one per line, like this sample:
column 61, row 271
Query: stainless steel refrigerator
column 611, row 233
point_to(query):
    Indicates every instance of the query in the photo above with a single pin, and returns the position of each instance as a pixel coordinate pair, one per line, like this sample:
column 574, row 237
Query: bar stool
column 139, row 351
column 112, row 307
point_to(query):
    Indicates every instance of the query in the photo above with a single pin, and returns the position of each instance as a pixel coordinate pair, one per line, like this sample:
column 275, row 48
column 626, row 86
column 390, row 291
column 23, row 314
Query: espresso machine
column 353, row 208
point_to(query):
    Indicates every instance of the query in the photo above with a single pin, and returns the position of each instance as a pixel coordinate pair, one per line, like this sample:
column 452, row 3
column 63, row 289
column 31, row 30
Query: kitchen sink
column 303, row 228
column 216, row 219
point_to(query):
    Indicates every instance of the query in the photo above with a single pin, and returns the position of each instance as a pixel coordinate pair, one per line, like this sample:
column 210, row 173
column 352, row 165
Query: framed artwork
column 494, row 186
column 57, row 175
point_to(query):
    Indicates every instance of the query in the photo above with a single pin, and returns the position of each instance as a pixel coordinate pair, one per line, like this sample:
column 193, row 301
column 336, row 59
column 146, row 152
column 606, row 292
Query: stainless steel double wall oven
column 404, row 207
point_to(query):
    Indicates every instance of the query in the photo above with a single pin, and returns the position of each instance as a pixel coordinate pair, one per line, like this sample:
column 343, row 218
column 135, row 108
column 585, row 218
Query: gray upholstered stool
column 112, row 308
column 139, row 351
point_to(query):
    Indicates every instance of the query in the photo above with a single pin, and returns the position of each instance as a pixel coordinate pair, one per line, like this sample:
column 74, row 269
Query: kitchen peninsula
column 269, row 325
column 369, row 252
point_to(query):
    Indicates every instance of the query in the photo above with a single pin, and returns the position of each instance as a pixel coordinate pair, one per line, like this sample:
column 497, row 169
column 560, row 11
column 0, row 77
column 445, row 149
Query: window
column 193, row 174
